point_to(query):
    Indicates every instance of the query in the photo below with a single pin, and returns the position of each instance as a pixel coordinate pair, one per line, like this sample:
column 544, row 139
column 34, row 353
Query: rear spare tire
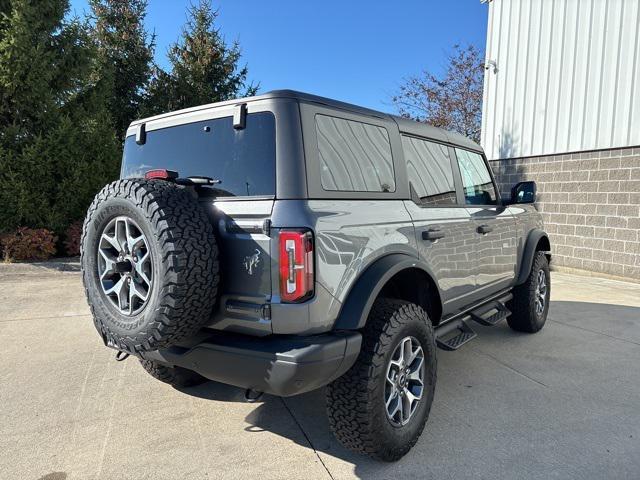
column 149, row 264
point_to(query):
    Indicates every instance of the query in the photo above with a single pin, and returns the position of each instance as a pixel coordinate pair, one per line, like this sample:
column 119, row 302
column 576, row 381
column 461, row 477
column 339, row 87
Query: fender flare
column 355, row 309
column 529, row 252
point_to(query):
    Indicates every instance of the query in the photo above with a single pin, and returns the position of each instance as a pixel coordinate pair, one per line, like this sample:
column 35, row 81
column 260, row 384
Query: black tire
column 174, row 376
column 355, row 401
column 184, row 258
column 524, row 316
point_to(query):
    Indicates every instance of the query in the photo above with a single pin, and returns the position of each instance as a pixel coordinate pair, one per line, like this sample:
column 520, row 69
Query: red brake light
column 161, row 173
column 296, row 265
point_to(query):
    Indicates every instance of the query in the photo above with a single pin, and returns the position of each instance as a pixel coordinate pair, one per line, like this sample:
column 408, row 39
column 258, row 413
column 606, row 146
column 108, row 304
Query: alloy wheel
column 124, row 265
column 404, row 381
column 541, row 292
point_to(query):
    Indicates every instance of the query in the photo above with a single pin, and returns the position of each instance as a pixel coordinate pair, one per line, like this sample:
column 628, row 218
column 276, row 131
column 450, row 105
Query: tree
column 57, row 144
column 125, row 56
column 204, row 69
column 452, row 101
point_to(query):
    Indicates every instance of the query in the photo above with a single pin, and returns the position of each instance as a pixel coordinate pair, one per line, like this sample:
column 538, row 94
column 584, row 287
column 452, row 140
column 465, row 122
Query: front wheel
column 380, row 406
column 530, row 303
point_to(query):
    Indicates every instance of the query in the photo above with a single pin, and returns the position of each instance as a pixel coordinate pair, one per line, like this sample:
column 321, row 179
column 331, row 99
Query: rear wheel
column 380, row 406
column 530, row 303
column 174, row 376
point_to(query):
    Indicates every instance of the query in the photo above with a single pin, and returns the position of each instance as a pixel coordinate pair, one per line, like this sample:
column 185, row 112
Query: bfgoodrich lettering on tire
column 150, row 264
column 380, row 406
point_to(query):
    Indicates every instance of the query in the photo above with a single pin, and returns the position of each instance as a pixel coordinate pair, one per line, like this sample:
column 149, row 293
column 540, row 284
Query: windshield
column 243, row 160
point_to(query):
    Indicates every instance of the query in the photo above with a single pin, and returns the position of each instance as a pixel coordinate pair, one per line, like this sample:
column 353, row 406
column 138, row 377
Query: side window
column 429, row 171
column 476, row 180
column 354, row 156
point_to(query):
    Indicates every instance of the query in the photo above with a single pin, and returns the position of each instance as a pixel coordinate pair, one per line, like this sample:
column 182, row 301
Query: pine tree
column 57, row 144
column 125, row 55
column 204, row 68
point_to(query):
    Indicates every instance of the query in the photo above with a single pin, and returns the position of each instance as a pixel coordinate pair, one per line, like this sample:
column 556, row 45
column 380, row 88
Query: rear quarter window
column 429, row 171
column 354, row 156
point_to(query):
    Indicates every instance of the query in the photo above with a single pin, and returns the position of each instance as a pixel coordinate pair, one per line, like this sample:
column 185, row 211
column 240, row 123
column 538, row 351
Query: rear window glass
column 243, row 160
column 354, row 156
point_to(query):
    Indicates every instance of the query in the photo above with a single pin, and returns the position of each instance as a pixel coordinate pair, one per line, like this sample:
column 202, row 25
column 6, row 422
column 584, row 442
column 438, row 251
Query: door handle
column 432, row 234
column 484, row 229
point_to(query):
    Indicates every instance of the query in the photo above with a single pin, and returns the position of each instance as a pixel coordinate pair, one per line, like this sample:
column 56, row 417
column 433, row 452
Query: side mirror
column 524, row 192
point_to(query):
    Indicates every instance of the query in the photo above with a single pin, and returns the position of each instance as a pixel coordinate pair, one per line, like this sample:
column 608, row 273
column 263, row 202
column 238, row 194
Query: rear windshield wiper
column 197, row 180
column 192, row 181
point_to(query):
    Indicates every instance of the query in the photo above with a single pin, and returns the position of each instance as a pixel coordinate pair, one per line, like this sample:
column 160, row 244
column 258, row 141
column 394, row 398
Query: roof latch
column 240, row 116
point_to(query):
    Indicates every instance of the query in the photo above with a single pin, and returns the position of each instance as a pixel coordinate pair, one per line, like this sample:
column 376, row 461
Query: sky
column 351, row 50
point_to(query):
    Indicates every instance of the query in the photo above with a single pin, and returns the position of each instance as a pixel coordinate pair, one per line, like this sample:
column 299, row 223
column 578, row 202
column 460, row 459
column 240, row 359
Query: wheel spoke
column 119, row 290
column 121, row 232
column 397, row 407
column 139, row 267
column 393, row 394
column 400, row 408
column 416, row 393
column 414, row 354
column 135, row 242
column 411, row 398
column 401, row 352
column 115, row 288
column 391, row 375
column 138, row 292
column 416, row 371
column 111, row 241
column 108, row 266
column 407, row 351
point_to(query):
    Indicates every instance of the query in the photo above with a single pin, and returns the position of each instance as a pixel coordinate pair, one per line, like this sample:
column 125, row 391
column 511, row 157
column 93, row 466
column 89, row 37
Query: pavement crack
column 306, row 437
column 509, row 367
column 55, row 317
column 107, row 437
column 596, row 332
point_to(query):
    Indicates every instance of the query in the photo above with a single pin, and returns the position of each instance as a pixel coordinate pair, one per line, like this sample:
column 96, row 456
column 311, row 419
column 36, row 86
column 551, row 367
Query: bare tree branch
column 452, row 101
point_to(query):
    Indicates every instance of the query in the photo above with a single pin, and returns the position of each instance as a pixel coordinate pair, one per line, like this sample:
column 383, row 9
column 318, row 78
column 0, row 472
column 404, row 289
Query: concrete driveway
column 564, row 403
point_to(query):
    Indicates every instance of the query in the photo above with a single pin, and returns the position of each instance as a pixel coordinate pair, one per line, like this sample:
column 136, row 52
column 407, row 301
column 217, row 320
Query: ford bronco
column 287, row 242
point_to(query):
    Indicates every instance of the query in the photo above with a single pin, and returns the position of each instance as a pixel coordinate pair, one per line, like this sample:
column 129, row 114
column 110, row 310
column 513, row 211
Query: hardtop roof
column 405, row 125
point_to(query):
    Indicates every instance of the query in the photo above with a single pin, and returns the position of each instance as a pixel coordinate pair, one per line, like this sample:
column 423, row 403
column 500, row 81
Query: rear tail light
column 296, row 265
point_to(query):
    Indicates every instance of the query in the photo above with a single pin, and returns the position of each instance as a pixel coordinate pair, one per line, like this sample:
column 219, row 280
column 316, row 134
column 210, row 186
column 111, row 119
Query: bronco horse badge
column 252, row 261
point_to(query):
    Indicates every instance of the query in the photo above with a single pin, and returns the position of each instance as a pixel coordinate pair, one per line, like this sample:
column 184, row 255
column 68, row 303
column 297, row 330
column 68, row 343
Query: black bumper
column 279, row 365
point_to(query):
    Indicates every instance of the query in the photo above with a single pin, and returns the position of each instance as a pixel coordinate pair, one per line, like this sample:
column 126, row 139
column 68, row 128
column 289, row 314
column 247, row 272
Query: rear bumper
column 280, row 365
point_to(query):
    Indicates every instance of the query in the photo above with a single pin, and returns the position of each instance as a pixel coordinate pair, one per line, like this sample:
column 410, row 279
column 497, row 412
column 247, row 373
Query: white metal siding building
column 567, row 80
column 562, row 107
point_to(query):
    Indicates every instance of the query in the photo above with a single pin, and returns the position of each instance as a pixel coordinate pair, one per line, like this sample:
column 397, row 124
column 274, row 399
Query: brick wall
column 590, row 202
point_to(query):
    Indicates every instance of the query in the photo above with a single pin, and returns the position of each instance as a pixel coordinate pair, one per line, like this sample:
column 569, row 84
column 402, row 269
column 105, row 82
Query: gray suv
column 287, row 242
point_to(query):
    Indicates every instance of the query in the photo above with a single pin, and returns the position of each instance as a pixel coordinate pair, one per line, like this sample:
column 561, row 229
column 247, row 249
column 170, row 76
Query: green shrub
column 28, row 244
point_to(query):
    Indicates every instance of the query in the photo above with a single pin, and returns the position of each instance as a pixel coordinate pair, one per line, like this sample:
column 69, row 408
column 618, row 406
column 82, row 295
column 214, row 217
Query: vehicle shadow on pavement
column 507, row 384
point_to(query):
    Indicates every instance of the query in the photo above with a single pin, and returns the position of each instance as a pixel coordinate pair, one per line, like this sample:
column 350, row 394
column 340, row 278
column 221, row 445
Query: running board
column 454, row 335
column 493, row 312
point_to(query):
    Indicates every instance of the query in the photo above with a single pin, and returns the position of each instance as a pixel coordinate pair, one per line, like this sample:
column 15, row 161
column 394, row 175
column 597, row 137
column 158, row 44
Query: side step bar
column 492, row 312
column 451, row 336
column 456, row 333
